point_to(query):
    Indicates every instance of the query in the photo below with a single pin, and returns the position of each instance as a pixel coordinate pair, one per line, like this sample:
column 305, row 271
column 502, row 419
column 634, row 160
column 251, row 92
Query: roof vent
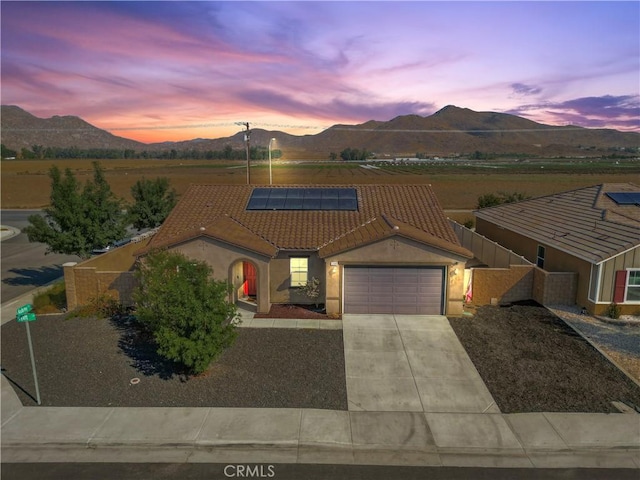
column 202, row 229
column 396, row 227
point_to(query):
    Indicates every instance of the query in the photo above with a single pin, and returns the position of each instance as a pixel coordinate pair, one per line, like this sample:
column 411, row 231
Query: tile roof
column 215, row 206
column 585, row 222
column 384, row 227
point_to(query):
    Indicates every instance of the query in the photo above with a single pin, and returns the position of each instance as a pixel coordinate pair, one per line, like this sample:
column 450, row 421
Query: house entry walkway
column 410, row 363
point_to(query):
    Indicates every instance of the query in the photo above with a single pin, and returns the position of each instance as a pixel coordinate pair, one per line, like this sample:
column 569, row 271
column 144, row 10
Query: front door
column 249, row 273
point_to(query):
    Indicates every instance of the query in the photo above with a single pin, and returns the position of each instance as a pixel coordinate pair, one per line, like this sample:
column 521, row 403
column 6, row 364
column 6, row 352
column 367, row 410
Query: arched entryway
column 246, row 288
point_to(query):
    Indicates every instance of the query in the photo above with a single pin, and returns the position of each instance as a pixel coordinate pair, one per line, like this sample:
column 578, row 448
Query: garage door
column 403, row 290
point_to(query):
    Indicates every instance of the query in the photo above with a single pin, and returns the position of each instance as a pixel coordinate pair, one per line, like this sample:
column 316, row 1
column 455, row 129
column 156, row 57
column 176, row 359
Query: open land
column 90, row 362
column 531, row 361
column 458, row 184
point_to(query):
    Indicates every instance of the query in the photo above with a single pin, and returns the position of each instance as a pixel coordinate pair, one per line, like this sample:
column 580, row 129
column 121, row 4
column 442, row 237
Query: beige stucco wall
column 225, row 260
column 85, row 284
column 555, row 260
column 502, row 285
column 396, row 251
column 281, row 290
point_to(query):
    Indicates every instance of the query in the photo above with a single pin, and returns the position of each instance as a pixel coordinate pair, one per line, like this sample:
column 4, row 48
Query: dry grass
column 25, row 184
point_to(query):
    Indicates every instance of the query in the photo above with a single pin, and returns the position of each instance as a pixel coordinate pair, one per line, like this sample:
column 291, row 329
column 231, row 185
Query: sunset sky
column 156, row 71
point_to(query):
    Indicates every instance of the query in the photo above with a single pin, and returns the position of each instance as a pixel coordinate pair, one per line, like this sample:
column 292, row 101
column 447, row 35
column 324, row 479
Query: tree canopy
column 186, row 310
column 78, row 220
column 492, row 199
column 153, row 201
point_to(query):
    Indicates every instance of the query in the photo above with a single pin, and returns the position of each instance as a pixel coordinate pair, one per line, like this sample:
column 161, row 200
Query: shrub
column 312, row 289
column 102, row 306
column 52, row 300
column 186, row 310
column 613, row 310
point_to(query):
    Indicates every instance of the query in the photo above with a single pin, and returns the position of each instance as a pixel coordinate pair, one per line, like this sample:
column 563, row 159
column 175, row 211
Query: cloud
column 619, row 112
column 523, row 89
column 337, row 108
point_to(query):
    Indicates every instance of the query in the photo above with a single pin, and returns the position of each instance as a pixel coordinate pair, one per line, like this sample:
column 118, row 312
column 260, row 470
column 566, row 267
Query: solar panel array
column 625, row 198
column 303, row 199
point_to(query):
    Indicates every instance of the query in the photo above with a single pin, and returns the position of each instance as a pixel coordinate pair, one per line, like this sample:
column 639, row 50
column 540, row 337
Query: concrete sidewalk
column 218, row 435
column 226, row 435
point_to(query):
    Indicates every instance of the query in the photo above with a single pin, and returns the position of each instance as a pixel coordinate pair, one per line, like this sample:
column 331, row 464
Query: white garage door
column 403, row 290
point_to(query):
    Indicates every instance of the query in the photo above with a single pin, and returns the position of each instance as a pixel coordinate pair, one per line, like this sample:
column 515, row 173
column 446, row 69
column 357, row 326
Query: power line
column 308, row 127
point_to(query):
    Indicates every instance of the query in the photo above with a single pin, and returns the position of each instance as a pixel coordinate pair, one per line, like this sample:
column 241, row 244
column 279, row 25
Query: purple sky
column 158, row 71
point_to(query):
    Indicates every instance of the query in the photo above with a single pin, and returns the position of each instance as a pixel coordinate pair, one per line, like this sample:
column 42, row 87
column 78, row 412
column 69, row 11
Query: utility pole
column 247, row 135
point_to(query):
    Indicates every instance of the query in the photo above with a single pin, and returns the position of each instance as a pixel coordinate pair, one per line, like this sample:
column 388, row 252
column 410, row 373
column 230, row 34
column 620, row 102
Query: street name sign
column 24, row 309
column 27, row 317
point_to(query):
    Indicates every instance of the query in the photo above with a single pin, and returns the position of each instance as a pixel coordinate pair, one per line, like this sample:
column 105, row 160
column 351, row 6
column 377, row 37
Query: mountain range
column 451, row 130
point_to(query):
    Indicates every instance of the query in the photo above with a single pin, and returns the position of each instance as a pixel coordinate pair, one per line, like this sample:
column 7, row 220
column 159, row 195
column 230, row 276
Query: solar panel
column 292, row 198
column 625, row 198
column 260, row 193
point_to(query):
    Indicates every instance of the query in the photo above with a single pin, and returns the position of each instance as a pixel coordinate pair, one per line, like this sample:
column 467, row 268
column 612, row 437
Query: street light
column 270, row 176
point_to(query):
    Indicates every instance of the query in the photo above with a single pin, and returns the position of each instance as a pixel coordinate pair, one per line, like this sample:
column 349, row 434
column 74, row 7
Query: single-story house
column 374, row 248
column 593, row 231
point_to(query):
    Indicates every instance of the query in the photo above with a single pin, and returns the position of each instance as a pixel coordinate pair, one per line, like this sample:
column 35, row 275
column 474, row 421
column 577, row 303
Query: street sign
column 27, row 317
column 24, row 314
column 24, row 309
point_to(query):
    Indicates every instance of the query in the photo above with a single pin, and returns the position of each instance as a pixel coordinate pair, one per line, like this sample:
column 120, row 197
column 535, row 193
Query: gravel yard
column 531, row 361
column 91, row 362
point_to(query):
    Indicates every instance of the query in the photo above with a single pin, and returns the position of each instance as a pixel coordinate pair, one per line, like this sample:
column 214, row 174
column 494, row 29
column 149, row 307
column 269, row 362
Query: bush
column 102, row 306
column 186, row 310
column 613, row 310
column 52, row 300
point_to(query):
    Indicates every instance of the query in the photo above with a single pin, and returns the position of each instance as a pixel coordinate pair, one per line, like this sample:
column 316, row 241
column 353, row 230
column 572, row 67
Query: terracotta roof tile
column 414, row 205
column 385, row 227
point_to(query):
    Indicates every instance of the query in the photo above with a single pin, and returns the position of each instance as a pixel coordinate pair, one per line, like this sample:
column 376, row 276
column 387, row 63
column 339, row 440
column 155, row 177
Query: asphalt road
column 204, row 471
column 25, row 265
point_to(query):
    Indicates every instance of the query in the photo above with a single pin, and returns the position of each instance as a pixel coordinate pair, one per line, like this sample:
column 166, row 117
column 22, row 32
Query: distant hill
column 21, row 129
column 451, row 130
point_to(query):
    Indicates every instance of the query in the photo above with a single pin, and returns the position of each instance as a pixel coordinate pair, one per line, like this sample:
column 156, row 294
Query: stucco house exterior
column 593, row 231
column 374, row 248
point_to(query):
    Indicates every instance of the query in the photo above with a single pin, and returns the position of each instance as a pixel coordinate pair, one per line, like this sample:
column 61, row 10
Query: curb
column 8, row 232
column 8, row 312
column 310, row 453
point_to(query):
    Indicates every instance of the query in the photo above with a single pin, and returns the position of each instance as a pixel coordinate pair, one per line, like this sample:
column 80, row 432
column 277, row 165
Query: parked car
column 111, row 246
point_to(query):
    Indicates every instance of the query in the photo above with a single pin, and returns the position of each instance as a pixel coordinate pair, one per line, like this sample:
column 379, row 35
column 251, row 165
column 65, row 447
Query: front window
column 540, row 257
column 633, row 286
column 299, row 268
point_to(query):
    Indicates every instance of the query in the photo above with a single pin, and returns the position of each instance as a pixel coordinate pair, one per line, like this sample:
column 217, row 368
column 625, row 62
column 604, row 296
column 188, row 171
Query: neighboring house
column 374, row 248
column 593, row 231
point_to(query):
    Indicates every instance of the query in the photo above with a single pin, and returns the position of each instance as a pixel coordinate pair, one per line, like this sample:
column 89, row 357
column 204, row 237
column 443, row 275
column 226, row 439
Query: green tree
column 153, row 202
column 7, row 152
column 488, row 200
column 77, row 221
column 492, row 199
column 186, row 310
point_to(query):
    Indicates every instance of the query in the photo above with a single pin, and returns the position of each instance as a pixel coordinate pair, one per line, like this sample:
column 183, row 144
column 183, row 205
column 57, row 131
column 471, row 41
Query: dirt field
column 25, row 183
column 532, row 361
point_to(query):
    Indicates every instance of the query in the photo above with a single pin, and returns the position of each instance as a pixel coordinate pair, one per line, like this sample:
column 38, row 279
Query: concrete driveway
column 410, row 363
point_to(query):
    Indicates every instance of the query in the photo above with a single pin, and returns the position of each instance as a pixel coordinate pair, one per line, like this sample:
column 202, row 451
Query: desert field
column 25, row 183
